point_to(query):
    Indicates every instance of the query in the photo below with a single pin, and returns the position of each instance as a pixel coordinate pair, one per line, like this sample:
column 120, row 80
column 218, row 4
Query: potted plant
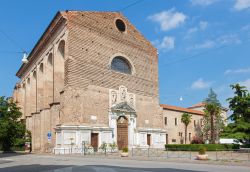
column 113, row 147
column 202, row 154
column 124, row 152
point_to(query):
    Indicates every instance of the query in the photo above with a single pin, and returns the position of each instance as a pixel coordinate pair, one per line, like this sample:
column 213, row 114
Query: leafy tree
column 240, row 106
column 186, row 119
column 240, row 103
column 11, row 128
column 213, row 123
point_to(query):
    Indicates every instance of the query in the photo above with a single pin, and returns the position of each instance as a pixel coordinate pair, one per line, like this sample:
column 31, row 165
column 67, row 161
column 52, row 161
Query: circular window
column 120, row 25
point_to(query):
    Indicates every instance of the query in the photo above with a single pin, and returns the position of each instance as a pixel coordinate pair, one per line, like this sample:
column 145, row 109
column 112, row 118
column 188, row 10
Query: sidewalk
column 161, row 159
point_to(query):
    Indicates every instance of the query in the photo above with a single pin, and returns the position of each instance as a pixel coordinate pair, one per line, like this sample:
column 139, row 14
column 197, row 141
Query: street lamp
column 24, row 59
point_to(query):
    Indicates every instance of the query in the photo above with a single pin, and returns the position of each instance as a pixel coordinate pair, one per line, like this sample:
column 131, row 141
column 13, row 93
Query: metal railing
column 160, row 153
column 86, row 151
column 217, row 155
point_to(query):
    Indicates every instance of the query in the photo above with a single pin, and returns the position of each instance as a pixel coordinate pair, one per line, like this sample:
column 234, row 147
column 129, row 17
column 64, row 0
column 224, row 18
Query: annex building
column 93, row 77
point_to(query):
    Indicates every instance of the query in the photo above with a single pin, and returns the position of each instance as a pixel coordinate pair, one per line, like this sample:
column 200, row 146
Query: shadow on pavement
column 87, row 168
column 10, row 154
column 37, row 168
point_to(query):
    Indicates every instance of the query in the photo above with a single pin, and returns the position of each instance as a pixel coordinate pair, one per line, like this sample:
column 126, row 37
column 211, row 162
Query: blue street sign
column 49, row 135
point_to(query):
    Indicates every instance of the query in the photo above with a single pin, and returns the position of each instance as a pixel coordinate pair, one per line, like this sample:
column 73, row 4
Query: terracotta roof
column 201, row 104
column 181, row 109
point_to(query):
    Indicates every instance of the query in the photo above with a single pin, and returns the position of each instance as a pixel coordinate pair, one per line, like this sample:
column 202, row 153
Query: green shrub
column 125, row 150
column 246, row 146
column 202, row 151
column 195, row 147
column 103, row 146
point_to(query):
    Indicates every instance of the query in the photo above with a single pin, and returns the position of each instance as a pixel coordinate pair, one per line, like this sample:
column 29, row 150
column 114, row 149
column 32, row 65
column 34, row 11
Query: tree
column 211, row 112
column 240, row 107
column 212, row 98
column 186, row 119
column 11, row 128
column 213, row 122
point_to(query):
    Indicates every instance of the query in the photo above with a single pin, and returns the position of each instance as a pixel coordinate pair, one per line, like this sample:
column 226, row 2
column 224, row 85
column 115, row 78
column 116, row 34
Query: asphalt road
column 51, row 163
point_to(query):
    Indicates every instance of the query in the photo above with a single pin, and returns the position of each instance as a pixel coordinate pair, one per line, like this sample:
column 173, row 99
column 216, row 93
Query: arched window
column 50, row 60
column 41, row 67
column 120, row 64
column 61, row 49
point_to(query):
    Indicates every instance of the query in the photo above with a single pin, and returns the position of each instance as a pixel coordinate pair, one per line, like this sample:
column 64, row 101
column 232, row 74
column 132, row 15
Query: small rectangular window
column 173, row 140
column 175, row 121
column 189, row 137
column 194, row 123
column 166, row 121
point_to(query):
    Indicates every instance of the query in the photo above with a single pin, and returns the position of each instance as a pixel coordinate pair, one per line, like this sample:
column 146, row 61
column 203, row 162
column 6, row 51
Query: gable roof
column 181, row 109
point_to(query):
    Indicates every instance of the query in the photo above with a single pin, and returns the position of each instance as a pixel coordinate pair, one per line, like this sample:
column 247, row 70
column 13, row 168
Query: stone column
column 59, row 70
column 24, row 99
column 28, row 97
column 48, row 81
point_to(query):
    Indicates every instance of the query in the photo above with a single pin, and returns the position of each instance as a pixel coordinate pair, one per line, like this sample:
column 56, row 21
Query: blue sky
column 202, row 43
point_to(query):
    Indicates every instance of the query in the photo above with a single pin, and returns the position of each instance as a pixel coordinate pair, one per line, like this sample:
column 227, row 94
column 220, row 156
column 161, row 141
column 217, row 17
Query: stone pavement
column 75, row 163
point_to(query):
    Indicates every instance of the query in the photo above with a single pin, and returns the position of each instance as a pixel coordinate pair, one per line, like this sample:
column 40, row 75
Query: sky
column 202, row 44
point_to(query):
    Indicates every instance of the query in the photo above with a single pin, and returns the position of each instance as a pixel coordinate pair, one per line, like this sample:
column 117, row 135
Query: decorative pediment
column 123, row 107
column 120, row 96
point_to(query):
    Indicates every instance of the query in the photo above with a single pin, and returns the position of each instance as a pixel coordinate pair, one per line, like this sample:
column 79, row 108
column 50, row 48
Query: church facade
column 93, row 78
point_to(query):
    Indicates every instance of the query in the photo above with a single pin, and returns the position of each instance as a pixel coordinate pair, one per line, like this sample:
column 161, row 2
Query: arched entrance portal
column 122, row 132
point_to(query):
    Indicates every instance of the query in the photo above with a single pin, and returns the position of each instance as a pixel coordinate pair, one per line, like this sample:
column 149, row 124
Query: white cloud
column 169, row 19
column 237, row 71
column 228, row 39
column 167, row 43
column 246, row 27
column 192, row 30
column 205, row 45
column 222, row 40
column 203, row 2
column 201, row 84
column 203, row 25
column 241, row 4
column 245, row 83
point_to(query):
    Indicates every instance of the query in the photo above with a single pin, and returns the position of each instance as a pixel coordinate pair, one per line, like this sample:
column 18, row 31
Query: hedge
column 196, row 147
column 246, row 146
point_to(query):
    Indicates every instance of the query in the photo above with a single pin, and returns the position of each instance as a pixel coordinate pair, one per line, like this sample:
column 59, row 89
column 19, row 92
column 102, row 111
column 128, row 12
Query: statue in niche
column 131, row 99
column 123, row 94
column 113, row 97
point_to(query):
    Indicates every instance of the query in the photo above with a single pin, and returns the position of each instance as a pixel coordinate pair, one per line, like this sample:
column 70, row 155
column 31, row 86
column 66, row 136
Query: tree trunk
column 212, row 128
column 185, row 134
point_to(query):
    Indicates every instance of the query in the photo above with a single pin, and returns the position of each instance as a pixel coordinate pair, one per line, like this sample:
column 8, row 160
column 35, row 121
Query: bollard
column 231, row 155
column 190, row 153
column 249, row 155
column 216, row 155
column 167, row 153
